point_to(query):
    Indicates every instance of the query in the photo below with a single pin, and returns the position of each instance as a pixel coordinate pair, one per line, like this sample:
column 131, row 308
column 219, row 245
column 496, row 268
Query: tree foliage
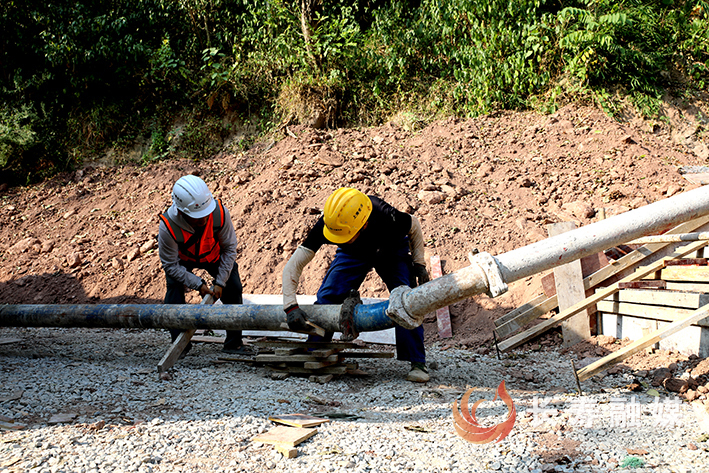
column 78, row 76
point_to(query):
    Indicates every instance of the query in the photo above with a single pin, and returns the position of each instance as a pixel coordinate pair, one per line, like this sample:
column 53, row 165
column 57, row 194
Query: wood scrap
column 323, row 379
column 11, row 426
column 286, row 436
column 298, row 420
column 336, row 370
column 287, row 452
column 316, row 365
column 207, row 339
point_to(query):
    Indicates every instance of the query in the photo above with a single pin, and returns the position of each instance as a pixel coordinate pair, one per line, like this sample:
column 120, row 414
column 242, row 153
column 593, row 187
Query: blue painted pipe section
column 367, row 318
column 372, row 317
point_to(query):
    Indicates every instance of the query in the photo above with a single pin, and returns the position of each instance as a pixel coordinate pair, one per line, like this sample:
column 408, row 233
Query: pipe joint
column 398, row 313
column 495, row 283
column 347, row 311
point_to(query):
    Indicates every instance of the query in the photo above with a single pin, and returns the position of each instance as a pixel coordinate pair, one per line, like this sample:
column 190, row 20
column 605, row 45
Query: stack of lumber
column 667, row 296
column 311, row 358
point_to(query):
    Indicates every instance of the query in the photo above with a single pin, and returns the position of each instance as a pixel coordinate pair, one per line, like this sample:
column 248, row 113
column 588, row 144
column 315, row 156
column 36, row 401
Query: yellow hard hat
column 346, row 211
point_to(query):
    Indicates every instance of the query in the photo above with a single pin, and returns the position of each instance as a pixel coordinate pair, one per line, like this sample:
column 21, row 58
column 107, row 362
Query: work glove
column 296, row 318
column 204, row 290
column 217, row 292
column 420, row 274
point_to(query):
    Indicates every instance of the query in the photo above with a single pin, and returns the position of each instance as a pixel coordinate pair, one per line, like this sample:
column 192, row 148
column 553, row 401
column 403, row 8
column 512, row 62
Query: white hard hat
column 191, row 196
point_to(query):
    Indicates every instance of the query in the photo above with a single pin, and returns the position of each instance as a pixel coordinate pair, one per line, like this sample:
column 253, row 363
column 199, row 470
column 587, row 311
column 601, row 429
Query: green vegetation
column 79, row 76
column 632, row 462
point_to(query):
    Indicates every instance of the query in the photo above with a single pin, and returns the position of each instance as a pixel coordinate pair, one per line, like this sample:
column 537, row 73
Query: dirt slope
column 490, row 183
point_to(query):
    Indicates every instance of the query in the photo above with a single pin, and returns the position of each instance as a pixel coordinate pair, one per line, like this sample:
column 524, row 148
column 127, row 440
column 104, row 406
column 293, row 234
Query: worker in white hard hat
column 197, row 232
column 370, row 234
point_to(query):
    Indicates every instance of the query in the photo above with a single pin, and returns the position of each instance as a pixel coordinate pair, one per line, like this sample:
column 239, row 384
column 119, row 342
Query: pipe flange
column 495, row 284
column 397, row 312
column 347, row 310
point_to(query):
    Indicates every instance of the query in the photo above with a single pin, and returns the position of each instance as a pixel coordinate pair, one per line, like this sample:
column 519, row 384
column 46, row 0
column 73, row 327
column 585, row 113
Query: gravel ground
column 119, row 416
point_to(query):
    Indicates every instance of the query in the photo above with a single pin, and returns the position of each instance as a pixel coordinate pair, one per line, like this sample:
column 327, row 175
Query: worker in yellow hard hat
column 370, row 234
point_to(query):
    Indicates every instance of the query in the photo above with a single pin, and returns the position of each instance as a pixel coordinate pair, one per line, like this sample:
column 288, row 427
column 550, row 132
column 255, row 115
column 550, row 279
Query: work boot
column 418, row 373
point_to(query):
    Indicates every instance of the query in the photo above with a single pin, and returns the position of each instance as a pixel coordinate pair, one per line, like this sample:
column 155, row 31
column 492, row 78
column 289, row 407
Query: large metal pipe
column 406, row 307
column 547, row 254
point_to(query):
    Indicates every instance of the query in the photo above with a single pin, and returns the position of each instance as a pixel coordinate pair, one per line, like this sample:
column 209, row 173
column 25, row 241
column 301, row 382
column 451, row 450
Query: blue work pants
column 394, row 266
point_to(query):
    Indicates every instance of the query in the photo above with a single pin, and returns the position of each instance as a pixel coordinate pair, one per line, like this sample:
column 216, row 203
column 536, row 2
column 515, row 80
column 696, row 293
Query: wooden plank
column 316, row 365
column 313, row 330
column 686, row 300
column 365, row 354
column 11, row 426
column 284, row 435
column 339, row 369
column 687, row 286
column 645, row 284
column 288, row 351
column 532, row 332
column 650, row 312
column 443, row 316
column 568, row 279
column 654, row 337
column 524, row 318
column 315, row 345
column 175, row 350
column 683, row 273
column 13, row 396
column 178, row 346
column 541, row 305
column 292, row 358
column 666, row 238
column 316, row 329
column 207, row 339
column 589, row 265
column 323, row 353
column 511, row 315
column 288, row 452
column 688, row 262
column 298, row 420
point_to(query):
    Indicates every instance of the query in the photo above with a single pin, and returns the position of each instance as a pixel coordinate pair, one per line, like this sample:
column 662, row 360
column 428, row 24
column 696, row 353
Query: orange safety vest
column 201, row 246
